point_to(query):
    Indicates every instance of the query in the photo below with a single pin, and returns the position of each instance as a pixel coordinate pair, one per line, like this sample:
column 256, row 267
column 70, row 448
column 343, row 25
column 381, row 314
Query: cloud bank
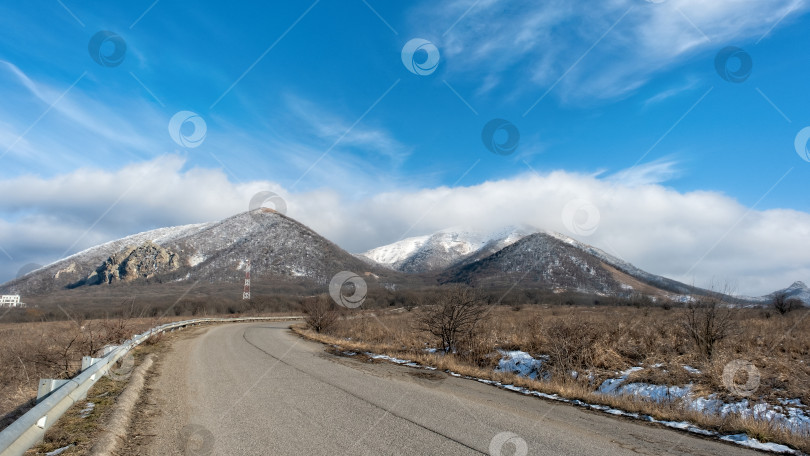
column 697, row 237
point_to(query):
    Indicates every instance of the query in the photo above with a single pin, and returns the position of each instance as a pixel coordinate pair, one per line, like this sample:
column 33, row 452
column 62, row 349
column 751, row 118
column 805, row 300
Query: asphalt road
column 241, row 389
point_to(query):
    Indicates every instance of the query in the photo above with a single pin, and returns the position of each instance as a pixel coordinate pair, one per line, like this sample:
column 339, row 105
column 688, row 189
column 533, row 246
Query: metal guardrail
column 30, row 428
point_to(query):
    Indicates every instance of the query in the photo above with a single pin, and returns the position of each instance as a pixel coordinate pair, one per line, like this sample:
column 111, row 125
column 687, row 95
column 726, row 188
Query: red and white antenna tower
column 246, row 293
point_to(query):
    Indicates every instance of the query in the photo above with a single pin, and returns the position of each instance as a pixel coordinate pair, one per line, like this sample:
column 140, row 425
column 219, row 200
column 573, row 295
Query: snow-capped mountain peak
column 798, row 290
column 444, row 248
column 393, row 253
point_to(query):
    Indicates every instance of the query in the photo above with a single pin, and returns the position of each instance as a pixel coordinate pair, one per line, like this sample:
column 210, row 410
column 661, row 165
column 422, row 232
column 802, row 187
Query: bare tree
column 452, row 315
column 708, row 320
column 320, row 313
column 784, row 304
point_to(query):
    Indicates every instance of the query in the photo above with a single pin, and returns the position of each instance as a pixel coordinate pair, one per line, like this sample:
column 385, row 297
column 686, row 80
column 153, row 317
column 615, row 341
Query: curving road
column 256, row 388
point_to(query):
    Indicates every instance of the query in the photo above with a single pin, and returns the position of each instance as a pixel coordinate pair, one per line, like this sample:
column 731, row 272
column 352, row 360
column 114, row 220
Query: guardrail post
column 47, row 386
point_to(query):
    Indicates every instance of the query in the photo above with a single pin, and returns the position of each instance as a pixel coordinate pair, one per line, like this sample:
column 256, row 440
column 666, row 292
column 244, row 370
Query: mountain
column 286, row 255
column 553, row 262
column 625, row 268
column 279, row 248
column 438, row 251
column 550, row 260
column 796, row 291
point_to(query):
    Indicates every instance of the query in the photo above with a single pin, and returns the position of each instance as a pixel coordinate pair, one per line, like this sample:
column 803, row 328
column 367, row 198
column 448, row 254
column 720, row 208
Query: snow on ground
column 523, row 359
column 658, row 393
column 744, row 440
column 520, row 363
column 404, row 362
column 791, row 416
column 792, row 413
column 610, row 385
column 59, row 451
column 690, row 369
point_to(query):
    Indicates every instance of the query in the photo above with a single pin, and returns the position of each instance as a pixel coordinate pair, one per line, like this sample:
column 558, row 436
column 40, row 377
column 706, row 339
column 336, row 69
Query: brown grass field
column 603, row 341
column 30, row 351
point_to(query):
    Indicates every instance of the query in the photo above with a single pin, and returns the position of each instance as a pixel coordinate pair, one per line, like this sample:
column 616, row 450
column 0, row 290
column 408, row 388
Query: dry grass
column 54, row 349
column 78, row 430
column 30, row 351
column 603, row 341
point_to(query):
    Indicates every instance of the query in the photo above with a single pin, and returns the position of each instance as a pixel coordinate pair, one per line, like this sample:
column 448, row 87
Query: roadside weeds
column 83, row 427
column 572, row 391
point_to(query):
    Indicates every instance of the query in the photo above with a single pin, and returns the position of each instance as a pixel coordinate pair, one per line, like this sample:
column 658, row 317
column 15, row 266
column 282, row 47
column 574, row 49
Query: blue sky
column 312, row 100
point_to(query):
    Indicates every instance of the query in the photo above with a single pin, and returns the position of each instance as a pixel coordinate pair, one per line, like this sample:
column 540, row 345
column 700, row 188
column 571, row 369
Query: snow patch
column 196, row 259
column 744, row 440
column 521, row 363
column 59, row 451
column 610, row 385
column 691, row 369
column 791, row 414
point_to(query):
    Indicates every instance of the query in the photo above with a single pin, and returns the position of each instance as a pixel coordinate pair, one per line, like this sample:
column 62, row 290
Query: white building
column 10, row 301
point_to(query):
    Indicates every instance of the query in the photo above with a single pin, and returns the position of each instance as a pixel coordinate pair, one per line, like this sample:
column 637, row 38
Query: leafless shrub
column 117, row 330
column 571, row 347
column 453, row 315
column 708, row 320
column 320, row 313
column 784, row 304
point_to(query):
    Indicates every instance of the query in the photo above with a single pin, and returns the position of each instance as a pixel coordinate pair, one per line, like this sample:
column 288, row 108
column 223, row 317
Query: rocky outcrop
column 71, row 269
column 135, row 262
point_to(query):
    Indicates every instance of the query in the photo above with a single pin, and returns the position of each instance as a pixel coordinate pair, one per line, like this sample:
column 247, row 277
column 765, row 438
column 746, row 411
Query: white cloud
column 345, row 133
column 655, row 172
column 658, row 229
column 664, row 95
column 112, row 130
column 545, row 40
column 86, row 112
